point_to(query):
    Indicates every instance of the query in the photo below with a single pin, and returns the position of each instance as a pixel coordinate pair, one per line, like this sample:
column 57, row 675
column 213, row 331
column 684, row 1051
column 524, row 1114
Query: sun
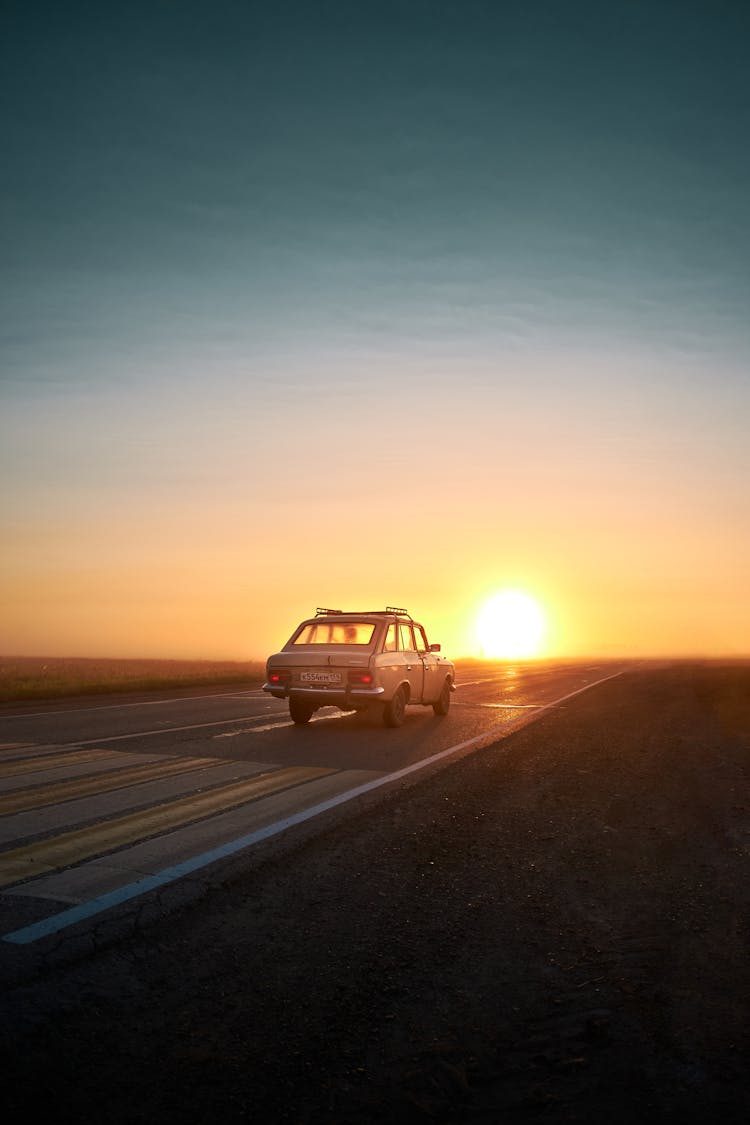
column 510, row 625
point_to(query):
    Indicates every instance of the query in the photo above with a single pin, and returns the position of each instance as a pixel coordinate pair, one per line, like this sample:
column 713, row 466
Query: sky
column 358, row 304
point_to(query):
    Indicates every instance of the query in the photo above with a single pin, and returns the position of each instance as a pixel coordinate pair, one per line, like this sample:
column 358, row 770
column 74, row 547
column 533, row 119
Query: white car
column 356, row 660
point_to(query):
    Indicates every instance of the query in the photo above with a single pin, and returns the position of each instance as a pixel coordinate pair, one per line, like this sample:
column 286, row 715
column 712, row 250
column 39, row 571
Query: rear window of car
column 336, row 633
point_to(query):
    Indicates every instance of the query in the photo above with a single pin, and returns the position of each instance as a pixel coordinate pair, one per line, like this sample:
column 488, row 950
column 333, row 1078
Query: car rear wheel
column 395, row 710
column 441, row 706
column 300, row 710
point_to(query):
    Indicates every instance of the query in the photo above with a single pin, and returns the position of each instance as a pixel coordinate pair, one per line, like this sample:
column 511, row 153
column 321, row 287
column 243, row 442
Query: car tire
column 394, row 711
column 441, row 706
column 300, row 710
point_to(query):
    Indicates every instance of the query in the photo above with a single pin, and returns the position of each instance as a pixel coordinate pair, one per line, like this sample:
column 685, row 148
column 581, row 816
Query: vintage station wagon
column 356, row 660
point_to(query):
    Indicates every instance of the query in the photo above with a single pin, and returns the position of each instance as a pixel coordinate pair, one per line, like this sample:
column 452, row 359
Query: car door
column 413, row 666
column 433, row 681
column 390, row 662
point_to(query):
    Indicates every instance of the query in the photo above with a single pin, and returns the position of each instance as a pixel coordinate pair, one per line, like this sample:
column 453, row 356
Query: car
column 356, row 660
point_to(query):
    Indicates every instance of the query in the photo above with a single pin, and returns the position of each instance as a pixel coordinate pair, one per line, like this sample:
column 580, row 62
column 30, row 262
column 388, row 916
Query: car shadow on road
column 347, row 741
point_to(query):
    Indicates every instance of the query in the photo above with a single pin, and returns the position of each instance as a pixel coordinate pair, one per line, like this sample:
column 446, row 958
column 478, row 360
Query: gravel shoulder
column 554, row 929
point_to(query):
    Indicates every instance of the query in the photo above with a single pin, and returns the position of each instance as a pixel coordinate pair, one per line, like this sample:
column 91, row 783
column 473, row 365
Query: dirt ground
column 554, row 929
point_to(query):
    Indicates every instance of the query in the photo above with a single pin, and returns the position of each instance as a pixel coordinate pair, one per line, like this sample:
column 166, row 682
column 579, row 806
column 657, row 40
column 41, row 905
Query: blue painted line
column 80, row 913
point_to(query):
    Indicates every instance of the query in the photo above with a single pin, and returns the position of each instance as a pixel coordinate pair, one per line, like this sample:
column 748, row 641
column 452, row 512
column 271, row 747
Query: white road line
column 510, row 674
column 139, row 703
column 502, row 706
column 488, row 680
column 253, row 730
column 71, row 916
column 278, row 725
column 159, row 730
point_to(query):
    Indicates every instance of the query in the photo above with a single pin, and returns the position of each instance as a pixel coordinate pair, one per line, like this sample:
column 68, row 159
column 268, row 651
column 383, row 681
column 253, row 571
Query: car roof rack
column 389, row 609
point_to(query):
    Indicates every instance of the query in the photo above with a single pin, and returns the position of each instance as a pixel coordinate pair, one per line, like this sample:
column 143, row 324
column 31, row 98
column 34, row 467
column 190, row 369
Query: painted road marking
column 65, row 918
column 69, row 848
column 281, row 723
column 502, row 706
column 50, row 761
column 253, row 730
column 252, row 692
column 161, row 730
column 42, row 795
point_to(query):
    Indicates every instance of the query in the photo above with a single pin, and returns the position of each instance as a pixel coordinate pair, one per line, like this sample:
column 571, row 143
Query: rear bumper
column 335, row 697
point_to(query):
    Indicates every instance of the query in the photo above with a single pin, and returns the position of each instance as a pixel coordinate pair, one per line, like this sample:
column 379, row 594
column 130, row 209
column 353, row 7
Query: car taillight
column 361, row 679
column 279, row 678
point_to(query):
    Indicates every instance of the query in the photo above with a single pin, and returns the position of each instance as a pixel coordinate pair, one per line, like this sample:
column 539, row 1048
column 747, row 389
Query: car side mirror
column 434, row 648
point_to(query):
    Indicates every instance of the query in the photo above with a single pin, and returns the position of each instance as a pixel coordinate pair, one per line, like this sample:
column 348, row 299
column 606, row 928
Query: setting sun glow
column 510, row 625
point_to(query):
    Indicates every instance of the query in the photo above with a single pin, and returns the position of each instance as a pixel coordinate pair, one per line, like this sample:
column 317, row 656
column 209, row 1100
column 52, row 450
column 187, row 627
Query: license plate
column 320, row 677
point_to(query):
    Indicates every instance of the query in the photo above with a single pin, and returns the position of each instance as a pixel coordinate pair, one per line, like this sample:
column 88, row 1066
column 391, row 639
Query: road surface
column 104, row 802
column 553, row 928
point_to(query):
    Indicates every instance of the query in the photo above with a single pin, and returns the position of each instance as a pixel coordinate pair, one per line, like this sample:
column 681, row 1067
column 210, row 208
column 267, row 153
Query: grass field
column 37, row 677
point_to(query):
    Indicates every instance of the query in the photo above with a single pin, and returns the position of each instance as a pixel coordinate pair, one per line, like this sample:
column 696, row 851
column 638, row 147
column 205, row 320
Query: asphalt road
column 104, row 802
column 553, row 928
